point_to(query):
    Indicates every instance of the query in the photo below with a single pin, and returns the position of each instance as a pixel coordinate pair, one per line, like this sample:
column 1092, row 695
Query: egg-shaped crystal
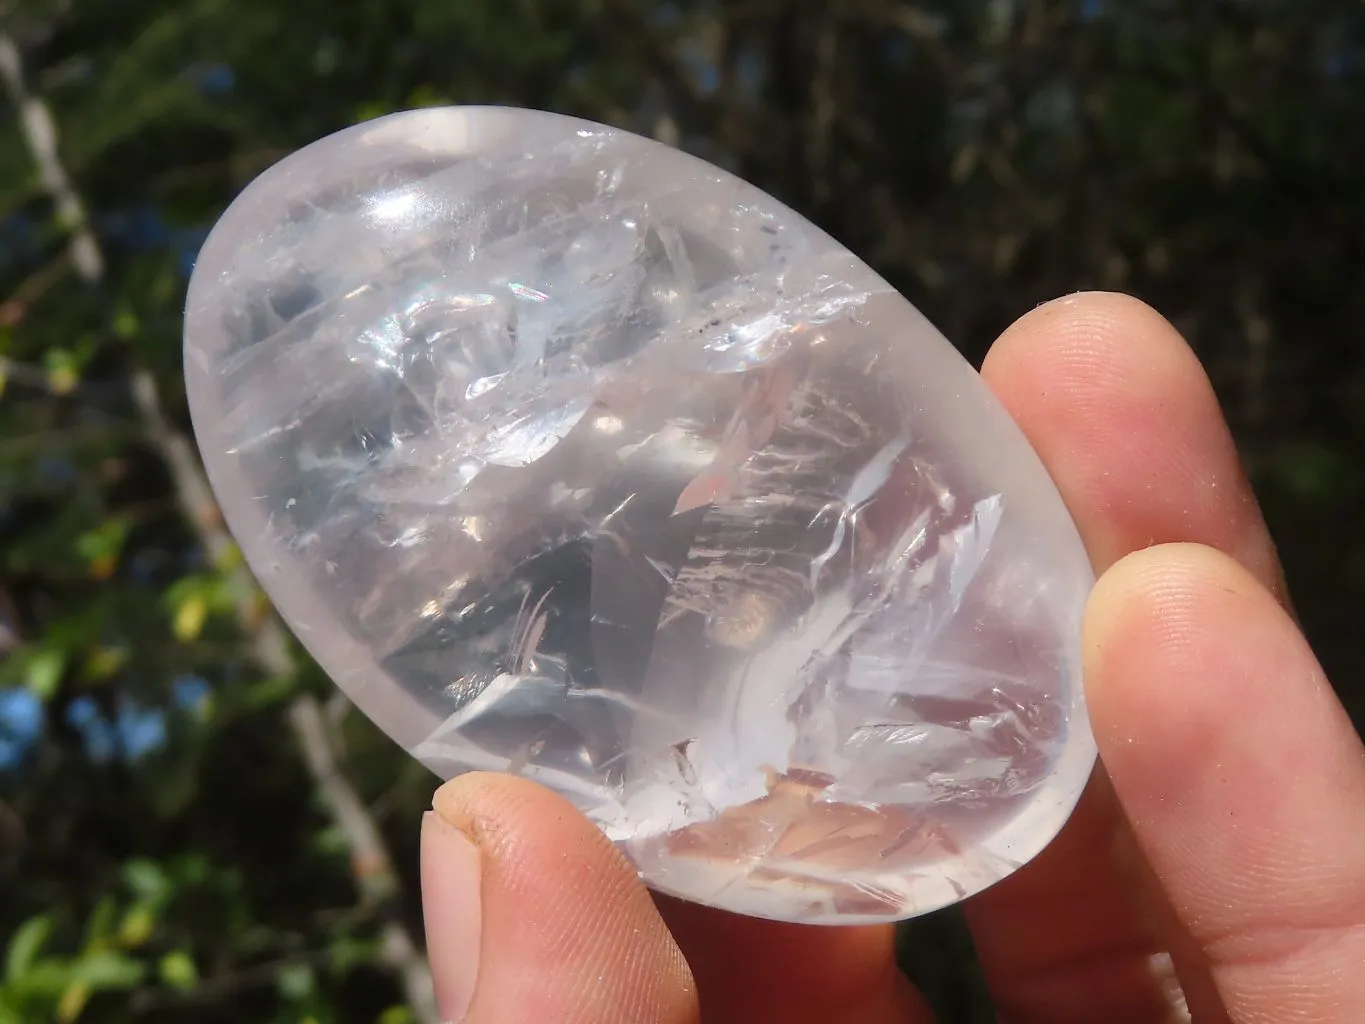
column 568, row 454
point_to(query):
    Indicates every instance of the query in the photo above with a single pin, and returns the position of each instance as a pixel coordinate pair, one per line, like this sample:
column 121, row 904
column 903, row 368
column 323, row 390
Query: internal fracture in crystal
column 570, row 455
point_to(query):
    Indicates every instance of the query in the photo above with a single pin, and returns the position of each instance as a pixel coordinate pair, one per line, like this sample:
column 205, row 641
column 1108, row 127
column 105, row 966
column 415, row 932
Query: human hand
column 1224, row 841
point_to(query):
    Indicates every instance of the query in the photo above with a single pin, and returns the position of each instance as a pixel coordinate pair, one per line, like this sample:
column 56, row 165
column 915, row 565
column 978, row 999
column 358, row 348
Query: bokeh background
column 193, row 825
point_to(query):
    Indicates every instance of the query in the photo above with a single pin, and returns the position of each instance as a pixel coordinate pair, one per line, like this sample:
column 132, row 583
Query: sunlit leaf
column 177, row 970
column 101, row 922
column 229, row 559
column 63, row 371
column 126, row 323
column 107, row 970
column 46, row 978
column 25, row 945
column 138, row 925
column 189, row 618
column 105, row 542
column 44, row 672
column 73, row 1001
column 103, row 662
column 295, row 981
column 147, row 879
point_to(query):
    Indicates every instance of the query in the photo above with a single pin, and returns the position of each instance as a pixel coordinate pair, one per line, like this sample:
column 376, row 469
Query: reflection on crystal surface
column 570, row 455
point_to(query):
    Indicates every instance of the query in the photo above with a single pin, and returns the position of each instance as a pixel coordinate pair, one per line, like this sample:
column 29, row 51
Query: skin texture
column 1215, row 866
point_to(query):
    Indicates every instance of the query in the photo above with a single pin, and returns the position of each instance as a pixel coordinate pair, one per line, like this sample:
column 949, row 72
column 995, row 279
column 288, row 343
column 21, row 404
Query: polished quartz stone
column 570, row 455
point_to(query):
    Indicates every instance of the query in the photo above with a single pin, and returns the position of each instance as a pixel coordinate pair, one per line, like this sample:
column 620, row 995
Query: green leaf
column 190, row 601
column 348, row 952
column 229, row 559
column 146, row 879
column 396, row 1015
column 126, row 323
column 107, row 970
column 103, row 662
column 177, row 970
column 296, row 981
column 265, row 693
column 189, row 619
column 104, row 543
column 100, row 922
column 25, row 945
column 63, row 371
column 44, row 672
column 369, row 111
column 137, row 925
column 73, row 1001
column 47, row 978
column 332, row 841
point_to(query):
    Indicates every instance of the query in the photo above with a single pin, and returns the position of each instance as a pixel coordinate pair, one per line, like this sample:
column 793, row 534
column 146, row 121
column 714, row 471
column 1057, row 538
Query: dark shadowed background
column 192, row 825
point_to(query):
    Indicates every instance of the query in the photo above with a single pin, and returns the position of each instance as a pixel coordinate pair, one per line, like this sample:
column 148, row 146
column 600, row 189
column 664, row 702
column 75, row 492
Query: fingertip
column 489, row 807
column 568, row 931
column 1157, row 585
column 1155, row 596
column 1088, row 345
column 1207, row 702
column 1122, row 413
column 1150, row 609
column 1101, row 310
column 1239, row 772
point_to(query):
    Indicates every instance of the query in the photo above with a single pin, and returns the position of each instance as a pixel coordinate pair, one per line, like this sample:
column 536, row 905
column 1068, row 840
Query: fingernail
column 453, row 912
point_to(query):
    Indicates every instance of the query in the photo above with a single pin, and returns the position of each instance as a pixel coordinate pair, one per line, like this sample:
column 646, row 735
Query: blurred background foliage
column 192, row 826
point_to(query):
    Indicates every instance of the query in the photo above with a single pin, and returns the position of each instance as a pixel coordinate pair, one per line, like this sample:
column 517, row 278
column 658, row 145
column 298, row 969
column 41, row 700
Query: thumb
column 532, row 915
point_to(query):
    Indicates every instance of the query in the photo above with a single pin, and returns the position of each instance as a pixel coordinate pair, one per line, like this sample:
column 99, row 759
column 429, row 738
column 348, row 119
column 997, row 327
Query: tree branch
column 371, row 863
